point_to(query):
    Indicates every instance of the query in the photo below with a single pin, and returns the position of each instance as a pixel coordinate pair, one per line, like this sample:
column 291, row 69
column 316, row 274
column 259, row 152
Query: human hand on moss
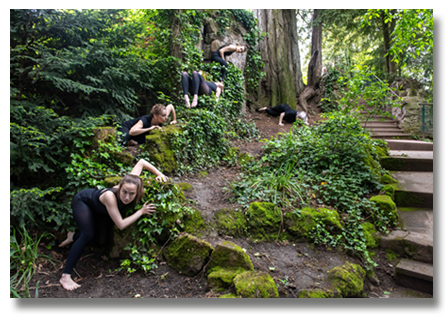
column 173, row 122
column 161, row 178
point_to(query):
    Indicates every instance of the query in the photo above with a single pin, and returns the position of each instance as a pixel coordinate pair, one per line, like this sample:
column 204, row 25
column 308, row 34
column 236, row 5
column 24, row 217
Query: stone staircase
column 382, row 127
column 410, row 163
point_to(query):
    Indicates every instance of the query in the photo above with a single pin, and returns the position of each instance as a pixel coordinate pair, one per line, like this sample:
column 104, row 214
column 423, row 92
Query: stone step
column 415, row 275
column 419, row 161
column 417, row 220
column 391, row 135
column 409, row 244
column 376, row 118
column 381, row 124
column 376, row 130
column 414, row 189
column 409, row 145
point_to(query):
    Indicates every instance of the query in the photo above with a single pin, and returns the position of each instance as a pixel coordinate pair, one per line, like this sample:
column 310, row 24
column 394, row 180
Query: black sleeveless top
column 92, row 198
column 146, row 120
column 226, row 53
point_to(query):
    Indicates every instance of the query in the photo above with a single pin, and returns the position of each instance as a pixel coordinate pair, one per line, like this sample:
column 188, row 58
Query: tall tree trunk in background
column 281, row 57
column 388, row 28
column 315, row 65
column 175, row 46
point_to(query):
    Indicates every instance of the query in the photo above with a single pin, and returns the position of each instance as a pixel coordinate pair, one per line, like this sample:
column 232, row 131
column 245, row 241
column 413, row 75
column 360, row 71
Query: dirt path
column 293, row 266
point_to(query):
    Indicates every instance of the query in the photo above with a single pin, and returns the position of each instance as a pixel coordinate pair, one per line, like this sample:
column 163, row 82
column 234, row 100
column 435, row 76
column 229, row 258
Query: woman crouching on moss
column 95, row 211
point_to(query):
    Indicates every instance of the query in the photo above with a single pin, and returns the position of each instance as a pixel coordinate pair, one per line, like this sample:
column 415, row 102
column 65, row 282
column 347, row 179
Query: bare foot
column 262, row 109
column 187, row 101
column 67, row 282
column 132, row 143
column 69, row 239
column 280, row 124
column 195, row 101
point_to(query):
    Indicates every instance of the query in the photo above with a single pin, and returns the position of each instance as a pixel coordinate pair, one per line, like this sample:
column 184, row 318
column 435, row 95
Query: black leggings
column 93, row 229
column 196, row 86
column 217, row 58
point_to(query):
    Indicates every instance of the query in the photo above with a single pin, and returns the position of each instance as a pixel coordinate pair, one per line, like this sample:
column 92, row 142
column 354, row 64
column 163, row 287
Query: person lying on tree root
column 96, row 210
column 198, row 86
column 223, row 52
column 134, row 130
column 286, row 113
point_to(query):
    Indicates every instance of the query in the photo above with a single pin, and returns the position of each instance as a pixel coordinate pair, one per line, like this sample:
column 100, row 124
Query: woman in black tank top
column 197, row 85
column 225, row 51
column 95, row 211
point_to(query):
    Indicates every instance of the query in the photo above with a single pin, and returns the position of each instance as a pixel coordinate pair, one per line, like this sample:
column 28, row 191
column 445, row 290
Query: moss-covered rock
column 388, row 179
column 253, row 284
column 318, row 294
column 230, row 256
column 158, row 146
column 103, row 134
column 221, row 279
column 391, row 163
column 387, row 205
column 112, row 181
column 389, row 190
column 229, row 296
column 120, row 238
column 184, row 186
column 187, row 254
column 263, row 220
column 370, row 234
column 230, row 222
column 301, row 222
column 348, row 279
column 194, row 224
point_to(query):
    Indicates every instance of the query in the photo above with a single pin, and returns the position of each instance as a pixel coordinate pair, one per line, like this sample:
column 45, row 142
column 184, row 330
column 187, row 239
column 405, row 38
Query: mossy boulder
column 389, row 190
column 318, row 294
column 103, row 134
column 301, row 222
column 230, row 256
column 158, row 146
column 253, row 284
column 348, row 279
column 187, row 254
column 230, row 222
column 387, row 206
column 220, row 279
column 120, row 238
column 112, row 181
column 263, row 220
column 194, row 223
column 371, row 236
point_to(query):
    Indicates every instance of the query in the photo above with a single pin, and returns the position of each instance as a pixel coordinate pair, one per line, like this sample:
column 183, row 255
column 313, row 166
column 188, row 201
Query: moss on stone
column 389, row 190
column 230, row 222
column 184, row 186
column 388, row 179
column 407, row 199
column 391, row 163
column 387, row 205
column 370, row 235
column 318, row 294
column 158, row 146
column 380, row 150
column 229, row 296
column 112, row 181
column 194, row 224
column 230, row 256
column 220, row 279
column 373, row 165
column 253, row 284
column 187, row 254
column 301, row 222
column 263, row 220
column 391, row 255
column 348, row 279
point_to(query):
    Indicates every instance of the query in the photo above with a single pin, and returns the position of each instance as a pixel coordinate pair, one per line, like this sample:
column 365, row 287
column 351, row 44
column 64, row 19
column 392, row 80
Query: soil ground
column 293, row 266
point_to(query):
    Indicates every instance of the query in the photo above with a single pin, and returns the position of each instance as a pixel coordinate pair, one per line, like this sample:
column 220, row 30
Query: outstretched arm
column 138, row 129
column 143, row 164
column 170, row 109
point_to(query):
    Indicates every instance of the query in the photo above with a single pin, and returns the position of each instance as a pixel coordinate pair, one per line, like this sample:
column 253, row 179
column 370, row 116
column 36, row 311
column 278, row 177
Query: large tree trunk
column 281, row 57
column 315, row 65
column 388, row 28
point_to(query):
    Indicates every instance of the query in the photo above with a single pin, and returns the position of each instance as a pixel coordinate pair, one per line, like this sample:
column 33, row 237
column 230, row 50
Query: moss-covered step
column 230, row 256
column 187, row 254
column 409, row 244
column 418, row 161
column 220, row 279
column 158, row 146
column 252, row 284
column 348, row 279
column 387, row 206
column 318, row 294
column 414, row 189
column 230, row 222
column 264, row 221
column 415, row 275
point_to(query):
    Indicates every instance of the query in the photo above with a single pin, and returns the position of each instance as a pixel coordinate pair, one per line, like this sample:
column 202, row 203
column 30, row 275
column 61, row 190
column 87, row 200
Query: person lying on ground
column 225, row 51
column 96, row 211
column 197, row 85
column 134, row 130
column 286, row 113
